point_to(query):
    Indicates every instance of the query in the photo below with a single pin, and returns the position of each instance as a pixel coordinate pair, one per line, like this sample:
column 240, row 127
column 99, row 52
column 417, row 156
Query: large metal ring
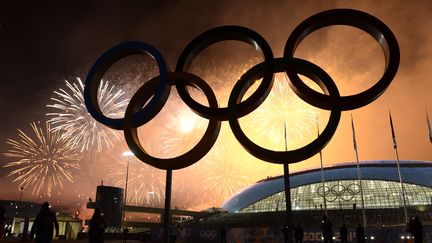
column 140, row 98
column 216, row 35
column 377, row 29
column 161, row 90
column 302, row 67
column 156, row 91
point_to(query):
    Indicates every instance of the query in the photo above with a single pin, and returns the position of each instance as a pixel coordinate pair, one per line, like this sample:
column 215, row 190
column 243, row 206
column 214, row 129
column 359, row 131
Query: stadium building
column 340, row 194
column 257, row 213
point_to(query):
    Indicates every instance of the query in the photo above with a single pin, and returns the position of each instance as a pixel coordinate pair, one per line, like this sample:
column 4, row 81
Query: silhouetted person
column 172, row 236
column 298, row 234
column 125, row 232
column 343, row 231
column 327, row 231
column 44, row 225
column 2, row 222
column 360, row 234
column 223, row 235
column 285, row 232
column 416, row 229
column 97, row 227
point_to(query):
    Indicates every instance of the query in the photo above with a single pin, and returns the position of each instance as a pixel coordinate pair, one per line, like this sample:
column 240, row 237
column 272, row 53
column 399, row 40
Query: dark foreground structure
column 256, row 214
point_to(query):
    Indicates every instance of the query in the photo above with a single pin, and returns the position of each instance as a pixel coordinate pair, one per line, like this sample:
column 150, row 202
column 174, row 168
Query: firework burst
column 146, row 184
column 224, row 178
column 78, row 126
column 43, row 160
column 182, row 132
column 228, row 168
column 281, row 106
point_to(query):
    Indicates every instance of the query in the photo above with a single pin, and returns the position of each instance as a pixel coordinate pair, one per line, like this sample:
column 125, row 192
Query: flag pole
column 288, row 213
column 428, row 125
column 358, row 172
column 398, row 167
column 322, row 173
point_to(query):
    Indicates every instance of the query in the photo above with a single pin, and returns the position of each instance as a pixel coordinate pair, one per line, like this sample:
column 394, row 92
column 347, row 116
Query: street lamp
column 21, row 189
column 127, row 154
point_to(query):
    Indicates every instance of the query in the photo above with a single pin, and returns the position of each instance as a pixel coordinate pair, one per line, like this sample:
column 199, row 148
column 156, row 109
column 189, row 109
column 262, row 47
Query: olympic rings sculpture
column 339, row 191
column 152, row 96
column 208, row 234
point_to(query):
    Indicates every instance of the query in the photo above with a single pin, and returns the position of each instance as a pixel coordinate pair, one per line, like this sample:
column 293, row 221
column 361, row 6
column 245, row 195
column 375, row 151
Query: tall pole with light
column 21, row 192
column 322, row 173
column 288, row 213
column 127, row 154
column 20, row 200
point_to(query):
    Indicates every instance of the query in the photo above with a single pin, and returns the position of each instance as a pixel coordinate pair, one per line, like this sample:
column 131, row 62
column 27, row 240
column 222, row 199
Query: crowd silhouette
column 46, row 226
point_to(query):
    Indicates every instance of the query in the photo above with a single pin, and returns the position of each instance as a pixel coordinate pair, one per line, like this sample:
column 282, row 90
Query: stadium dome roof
column 413, row 172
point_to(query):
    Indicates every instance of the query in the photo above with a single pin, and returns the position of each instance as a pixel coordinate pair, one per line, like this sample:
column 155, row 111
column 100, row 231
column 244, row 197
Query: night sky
column 42, row 44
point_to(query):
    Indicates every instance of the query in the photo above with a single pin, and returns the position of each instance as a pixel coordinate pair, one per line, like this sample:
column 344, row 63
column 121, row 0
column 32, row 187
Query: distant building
column 257, row 213
column 16, row 211
column 110, row 200
column 381, row 189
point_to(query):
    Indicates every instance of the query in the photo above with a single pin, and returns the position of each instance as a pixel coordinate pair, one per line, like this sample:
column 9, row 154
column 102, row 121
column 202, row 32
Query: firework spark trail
column 225, row 178
column 227, row 167
column 224, row 170
column 222, row 76
column 146, row 184
column 182, row 132
column 77, row 125
column 282, row 105
column 44, row 160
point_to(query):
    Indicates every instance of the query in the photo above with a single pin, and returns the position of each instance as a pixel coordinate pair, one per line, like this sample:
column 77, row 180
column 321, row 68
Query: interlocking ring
column 160, row 94
column 307, row 69
column 193, row 155
column 220, row 34
column 356, row 188
column 339, row 191
column 377, row 29
column 208, row 234
column 151, row 97
column 326, row 190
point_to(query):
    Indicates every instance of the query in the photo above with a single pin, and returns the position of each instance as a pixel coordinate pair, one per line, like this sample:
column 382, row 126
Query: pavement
column 65, row 241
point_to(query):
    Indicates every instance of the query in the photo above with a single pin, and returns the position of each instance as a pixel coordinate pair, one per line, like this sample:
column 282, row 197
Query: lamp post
column 288, row 211
column 127, row 154
column 322, row 173
column 21, row 192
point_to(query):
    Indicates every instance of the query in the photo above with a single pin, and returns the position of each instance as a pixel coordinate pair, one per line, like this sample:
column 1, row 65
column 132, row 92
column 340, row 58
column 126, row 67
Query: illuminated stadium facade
column 257, row 213
column 380, row 183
